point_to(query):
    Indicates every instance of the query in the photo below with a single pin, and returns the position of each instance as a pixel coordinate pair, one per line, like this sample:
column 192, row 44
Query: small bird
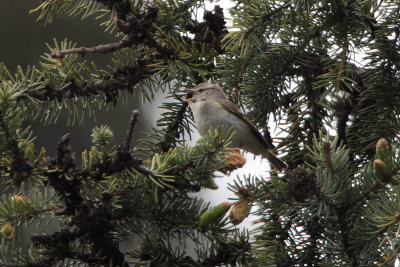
column 211, row 108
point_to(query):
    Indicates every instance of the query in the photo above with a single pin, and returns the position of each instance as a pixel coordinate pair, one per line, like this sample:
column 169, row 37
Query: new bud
column 214, row 215
column 18, row 199
column 20, row 203
column 381, row 170
column 382, row 149
column 233, row 160
column 8, row 231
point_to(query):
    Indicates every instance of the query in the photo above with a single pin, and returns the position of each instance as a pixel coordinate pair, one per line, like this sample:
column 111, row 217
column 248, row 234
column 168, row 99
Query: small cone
column 240, row 211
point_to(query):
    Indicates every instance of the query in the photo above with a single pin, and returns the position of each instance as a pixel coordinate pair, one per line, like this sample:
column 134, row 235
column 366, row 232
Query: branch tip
column 128, row 137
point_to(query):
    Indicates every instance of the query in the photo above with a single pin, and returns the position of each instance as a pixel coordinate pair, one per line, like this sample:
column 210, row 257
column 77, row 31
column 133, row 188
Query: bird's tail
column 278, row 164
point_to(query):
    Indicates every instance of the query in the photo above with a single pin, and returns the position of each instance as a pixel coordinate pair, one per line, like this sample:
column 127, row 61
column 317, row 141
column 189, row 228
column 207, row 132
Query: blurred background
column 24, row 42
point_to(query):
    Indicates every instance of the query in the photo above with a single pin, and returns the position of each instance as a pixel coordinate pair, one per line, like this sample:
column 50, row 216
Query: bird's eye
column 201, row 90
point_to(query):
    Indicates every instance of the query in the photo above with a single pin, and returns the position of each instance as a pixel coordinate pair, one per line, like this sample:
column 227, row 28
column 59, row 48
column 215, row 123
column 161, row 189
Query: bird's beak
column 188, row 100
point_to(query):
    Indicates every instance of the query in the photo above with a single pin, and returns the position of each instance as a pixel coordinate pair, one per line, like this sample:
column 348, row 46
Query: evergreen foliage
column 326, row 73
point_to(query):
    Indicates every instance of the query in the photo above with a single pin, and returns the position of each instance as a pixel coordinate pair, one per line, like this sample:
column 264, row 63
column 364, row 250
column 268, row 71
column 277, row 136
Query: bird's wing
column 232, row 108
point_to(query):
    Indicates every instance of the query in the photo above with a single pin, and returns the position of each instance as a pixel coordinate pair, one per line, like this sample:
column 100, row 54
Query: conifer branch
column 60, row 168
column 239, row 79
column 30, row 212
column 310, row 255
column 307, row 66
column 266, row 17
column 101, row 49
column 172, row 131
column 132, row 122
column 20, row 168
column 344, row 233
column 92, row 222
column 140, row 31
column 122, row 79
column 343, row 109
column 243, row 66
column 376, row 185
column 214, row 22
column 12, row 141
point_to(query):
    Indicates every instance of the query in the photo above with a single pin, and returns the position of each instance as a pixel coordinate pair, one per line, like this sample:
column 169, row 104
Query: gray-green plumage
column 211, row 108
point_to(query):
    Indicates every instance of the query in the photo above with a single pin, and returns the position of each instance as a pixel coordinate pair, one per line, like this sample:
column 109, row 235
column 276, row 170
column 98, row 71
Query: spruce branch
column 342, row 109
column 61, row 168
column 101, row 49
column 139, row 30
column 266, row 17
column 31, row 212
column 64, row 165
column 129, row 133
column 122, row 79
column 12, row 141
column 172, row 132
column 375, row 186
column 92, row 220
column 236, row 87
column 211, row 31
column 344, row 233
column 20, row 167
column 313, row 229
column 290, row 60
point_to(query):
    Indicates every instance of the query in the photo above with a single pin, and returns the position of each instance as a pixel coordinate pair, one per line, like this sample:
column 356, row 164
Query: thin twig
column 101, row 49
column 129, row 133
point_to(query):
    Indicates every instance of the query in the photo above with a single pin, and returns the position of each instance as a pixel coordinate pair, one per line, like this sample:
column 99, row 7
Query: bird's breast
column 202, row 113
column 211, row 114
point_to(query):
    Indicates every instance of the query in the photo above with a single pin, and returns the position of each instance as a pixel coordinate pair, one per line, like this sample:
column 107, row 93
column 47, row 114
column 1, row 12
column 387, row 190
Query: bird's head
column 205, row 91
